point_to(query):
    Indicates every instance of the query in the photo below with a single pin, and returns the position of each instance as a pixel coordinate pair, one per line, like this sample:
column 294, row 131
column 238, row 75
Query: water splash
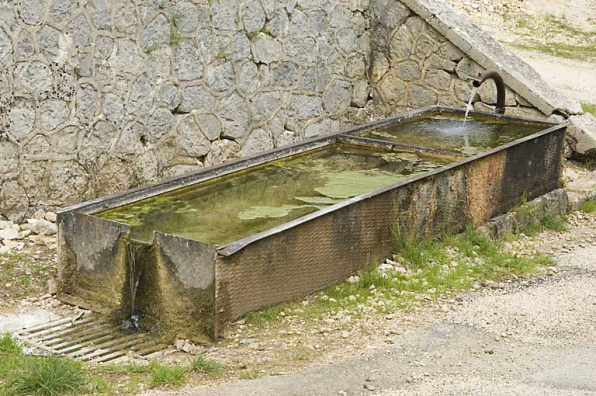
column 469, row 107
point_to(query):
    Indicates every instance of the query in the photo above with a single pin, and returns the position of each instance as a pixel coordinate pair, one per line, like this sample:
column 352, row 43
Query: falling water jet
column 469, row 107
column 134, row 254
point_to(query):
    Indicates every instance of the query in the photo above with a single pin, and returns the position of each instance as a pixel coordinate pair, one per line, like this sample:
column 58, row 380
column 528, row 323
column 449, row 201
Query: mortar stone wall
column 98, row 96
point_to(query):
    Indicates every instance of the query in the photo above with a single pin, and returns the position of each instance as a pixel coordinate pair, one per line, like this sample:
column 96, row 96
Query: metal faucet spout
column 496, row 77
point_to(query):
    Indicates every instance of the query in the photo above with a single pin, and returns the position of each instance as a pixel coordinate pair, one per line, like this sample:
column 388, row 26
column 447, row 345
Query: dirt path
column 535, row 337
column 576, row 79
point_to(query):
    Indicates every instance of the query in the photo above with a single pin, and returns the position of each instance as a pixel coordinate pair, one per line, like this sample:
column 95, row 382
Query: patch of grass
column 546, row 222
column 589, row 206
column 162, row 375
column 9, row 345
column 589, row 108
column 566, row 51
column 175, row 37
column 206, row 366
column 49, row 376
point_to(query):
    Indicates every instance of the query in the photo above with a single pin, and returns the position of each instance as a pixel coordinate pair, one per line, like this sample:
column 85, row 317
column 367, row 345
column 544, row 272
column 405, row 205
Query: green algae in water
column 257, row 212
column 450, row 133
column 233, row 207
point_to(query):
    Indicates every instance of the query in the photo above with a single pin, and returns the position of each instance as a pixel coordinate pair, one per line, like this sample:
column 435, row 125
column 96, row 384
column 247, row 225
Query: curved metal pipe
column 496, row 77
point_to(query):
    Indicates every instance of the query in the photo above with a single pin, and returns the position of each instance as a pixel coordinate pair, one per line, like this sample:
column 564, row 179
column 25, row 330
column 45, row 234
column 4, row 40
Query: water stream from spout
column 469, row 107
column 133, row 257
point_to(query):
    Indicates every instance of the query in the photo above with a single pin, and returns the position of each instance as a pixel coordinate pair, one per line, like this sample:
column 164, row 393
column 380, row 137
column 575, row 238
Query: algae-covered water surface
column 450, row 133
column 232, row 207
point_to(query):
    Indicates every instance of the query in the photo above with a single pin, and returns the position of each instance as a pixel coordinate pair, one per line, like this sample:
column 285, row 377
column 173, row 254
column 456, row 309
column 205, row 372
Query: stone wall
column 98, row 96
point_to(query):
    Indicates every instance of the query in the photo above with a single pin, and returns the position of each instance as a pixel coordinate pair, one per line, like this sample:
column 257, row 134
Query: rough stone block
column 582, row 131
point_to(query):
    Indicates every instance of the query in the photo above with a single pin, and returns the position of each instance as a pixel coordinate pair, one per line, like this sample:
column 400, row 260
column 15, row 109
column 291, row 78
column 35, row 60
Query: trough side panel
column 176, row 292
column 92, row 269
column 532, row 169
column 325, row 250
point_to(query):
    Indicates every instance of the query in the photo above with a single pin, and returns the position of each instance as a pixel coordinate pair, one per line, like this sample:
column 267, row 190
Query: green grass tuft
column 162, row 375
column 48, row 376
column 589, row 206
column 9, row 345
column 589, row 108
column 206, row 366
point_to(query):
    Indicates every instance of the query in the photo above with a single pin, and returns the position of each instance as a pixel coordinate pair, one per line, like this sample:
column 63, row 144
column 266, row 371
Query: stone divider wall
column 98, row 96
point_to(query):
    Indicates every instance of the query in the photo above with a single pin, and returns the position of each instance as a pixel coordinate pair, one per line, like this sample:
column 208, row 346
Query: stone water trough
column 189, row 254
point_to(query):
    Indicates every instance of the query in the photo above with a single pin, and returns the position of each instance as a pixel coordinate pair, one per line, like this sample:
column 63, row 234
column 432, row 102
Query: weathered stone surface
column 220, row 77
column 68, row 182
column 360, row 93
column 582, row 131
column 160, row 123
column 188, row 17
column 253, row 17
column 97, row 141
column 31, row 11
column 419, row 96
column 393, row 14
column 125, row 20
column 434, row 61
column 61, row 9
column 53, row 113
column 235, row 114
column 266, row 49
column 285, row 74
column 380, row 66
column 170, row 95
column 314, row 78
column 279, row 23
column 209, row 125
column 132, row 139
column 265, row 105
column 224, row 14
column 347, row 40
column 247, row 78
column 127, row 58
column 25, row 45
column 13, row 200
column 191, row 139
column 317, row 22
column 187, row 61
column 438, row 79
column 33, row 78
column 104, row 45
column 467, row 69
column 156, row 33
column 321, row 128
column 80, row 31
column 301, row 49
column 196, row 98
column 306, row 106
column 141, row 97
column 65, row 141
column 488, row 94
column 9, row 157
column 259, row 140
column 299, row 24
column 337, row 97
column 408, row 70
column 424, row 46
column 356, row 66
column 392, row 89
column 6, row 12
column 37, row 145
column 86, row 103
column 21, row 118
column 221, row 151
column 99, row 13
column 115, row 176
column 6, row 49
column 113, row 107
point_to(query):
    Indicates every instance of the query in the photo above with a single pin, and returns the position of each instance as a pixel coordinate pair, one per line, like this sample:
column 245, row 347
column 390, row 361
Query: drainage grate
column 89, row 339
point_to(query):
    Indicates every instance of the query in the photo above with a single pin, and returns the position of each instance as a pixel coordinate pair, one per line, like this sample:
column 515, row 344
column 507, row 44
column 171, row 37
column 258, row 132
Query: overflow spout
column 496, row 77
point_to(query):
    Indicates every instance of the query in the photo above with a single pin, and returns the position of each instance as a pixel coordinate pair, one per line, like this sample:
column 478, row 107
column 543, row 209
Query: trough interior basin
column 244, row 203
column 448, row 132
